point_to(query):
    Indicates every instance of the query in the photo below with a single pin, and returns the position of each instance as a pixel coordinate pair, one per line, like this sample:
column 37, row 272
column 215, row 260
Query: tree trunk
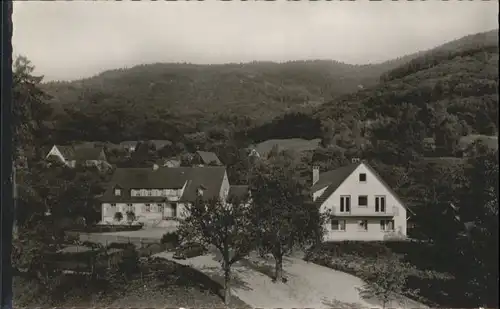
column 227, row 284
column 278, row 269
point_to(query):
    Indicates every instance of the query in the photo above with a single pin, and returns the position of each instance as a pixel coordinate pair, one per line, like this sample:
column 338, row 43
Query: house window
column 338, row 225
column 362, row 177
column 363, row 200
column 345, row 204
column 159, row 207
column 380, row 204
column 150, row 192
column 129, row 207
column 173, row 207
column 363, row 225
column 118, row 192
column 148, row 207
column 387, row 225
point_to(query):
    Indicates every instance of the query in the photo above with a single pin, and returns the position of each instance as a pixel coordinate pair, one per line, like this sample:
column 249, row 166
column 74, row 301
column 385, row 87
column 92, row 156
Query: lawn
column 358, row 258
column 160, row 285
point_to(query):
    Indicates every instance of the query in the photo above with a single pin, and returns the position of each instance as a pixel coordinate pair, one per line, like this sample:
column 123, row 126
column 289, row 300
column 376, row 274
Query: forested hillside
column 259, row 89
column 444, row 94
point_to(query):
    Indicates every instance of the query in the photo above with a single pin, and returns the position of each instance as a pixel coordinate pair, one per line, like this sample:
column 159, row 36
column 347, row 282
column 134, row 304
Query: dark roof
column 210, row 177
column 296, row 144
column 240, row 191
column 333, row 179
column 67, row 152
column 88, row 153
column 209, row 157
column 128, row 143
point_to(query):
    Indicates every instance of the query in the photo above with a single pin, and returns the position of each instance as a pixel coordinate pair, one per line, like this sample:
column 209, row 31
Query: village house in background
column 202, row 158
column 129, row 145
column 359, row 204
column 298, row 145
column 157, row 197
column 84, row 154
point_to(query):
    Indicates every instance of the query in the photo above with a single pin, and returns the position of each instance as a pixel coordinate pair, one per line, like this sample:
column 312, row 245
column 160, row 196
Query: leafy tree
column 224, row 225
column 29, row 109
column 118, row 216
column 130, row 216
column 282, row 216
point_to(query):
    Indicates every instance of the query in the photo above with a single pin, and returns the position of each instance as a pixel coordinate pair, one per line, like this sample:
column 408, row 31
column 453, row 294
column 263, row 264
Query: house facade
column 359, row 205
column 161, row 195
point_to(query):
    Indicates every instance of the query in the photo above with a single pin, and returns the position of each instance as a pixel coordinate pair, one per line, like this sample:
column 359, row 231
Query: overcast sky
column 74, row 39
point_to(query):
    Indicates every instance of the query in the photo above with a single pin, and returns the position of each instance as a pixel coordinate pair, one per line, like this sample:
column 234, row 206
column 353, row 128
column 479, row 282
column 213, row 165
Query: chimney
column 355, row 160
column 315, row 176
column 155, row 167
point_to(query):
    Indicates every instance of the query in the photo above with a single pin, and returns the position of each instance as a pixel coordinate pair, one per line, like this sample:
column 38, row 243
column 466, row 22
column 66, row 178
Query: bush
column 129, row 262
column 171, row 239
column 124, row 246
column 130, row 216
column 118, row 216
column 357, row 248
column 108, row 228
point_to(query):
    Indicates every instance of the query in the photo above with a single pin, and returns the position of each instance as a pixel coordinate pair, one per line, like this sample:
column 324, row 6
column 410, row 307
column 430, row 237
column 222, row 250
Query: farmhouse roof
column 192, row 178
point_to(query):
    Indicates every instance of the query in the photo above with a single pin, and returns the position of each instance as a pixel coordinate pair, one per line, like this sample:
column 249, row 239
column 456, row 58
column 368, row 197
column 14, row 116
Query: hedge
column 107, row 228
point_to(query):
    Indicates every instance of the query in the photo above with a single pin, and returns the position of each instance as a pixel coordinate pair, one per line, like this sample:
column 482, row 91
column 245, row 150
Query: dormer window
column 118, row 192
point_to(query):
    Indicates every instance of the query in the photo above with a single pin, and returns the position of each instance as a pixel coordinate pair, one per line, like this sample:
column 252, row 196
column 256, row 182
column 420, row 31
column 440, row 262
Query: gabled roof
column 333, row 179
column 210, row 177
column 296, row 144
column 67, row 151
column 128, row 143
column 80, row 152
column 88, row 153
column 209, row 157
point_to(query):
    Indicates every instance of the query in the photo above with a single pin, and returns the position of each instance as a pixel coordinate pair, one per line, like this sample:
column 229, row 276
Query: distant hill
column 455, row 84
column 259, row 90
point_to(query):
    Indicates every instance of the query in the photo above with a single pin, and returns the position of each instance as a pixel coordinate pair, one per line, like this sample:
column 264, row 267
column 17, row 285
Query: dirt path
column 309, row 285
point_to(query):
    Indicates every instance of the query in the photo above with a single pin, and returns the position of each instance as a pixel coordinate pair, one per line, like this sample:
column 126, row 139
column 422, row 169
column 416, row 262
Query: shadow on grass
column 209, row 279
column 265, row 266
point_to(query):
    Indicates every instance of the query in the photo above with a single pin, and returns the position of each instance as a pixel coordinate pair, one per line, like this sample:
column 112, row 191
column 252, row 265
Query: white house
column 84, row 154
column 159, row 195
column 359, row 204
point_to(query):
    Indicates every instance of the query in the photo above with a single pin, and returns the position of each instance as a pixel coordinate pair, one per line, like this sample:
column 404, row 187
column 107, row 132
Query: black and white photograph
column 254, row 154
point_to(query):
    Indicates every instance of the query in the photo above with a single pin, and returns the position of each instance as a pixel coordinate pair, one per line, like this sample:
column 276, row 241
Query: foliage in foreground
column 224, row 225
column 281, row 214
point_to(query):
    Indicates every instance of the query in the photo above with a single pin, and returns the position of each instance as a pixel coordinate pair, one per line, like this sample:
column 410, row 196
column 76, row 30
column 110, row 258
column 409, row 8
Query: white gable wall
column 55, row 152
column 372, row 187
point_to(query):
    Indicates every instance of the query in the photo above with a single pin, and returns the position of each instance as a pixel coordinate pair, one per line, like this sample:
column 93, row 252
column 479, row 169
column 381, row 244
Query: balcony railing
column 365, row 212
